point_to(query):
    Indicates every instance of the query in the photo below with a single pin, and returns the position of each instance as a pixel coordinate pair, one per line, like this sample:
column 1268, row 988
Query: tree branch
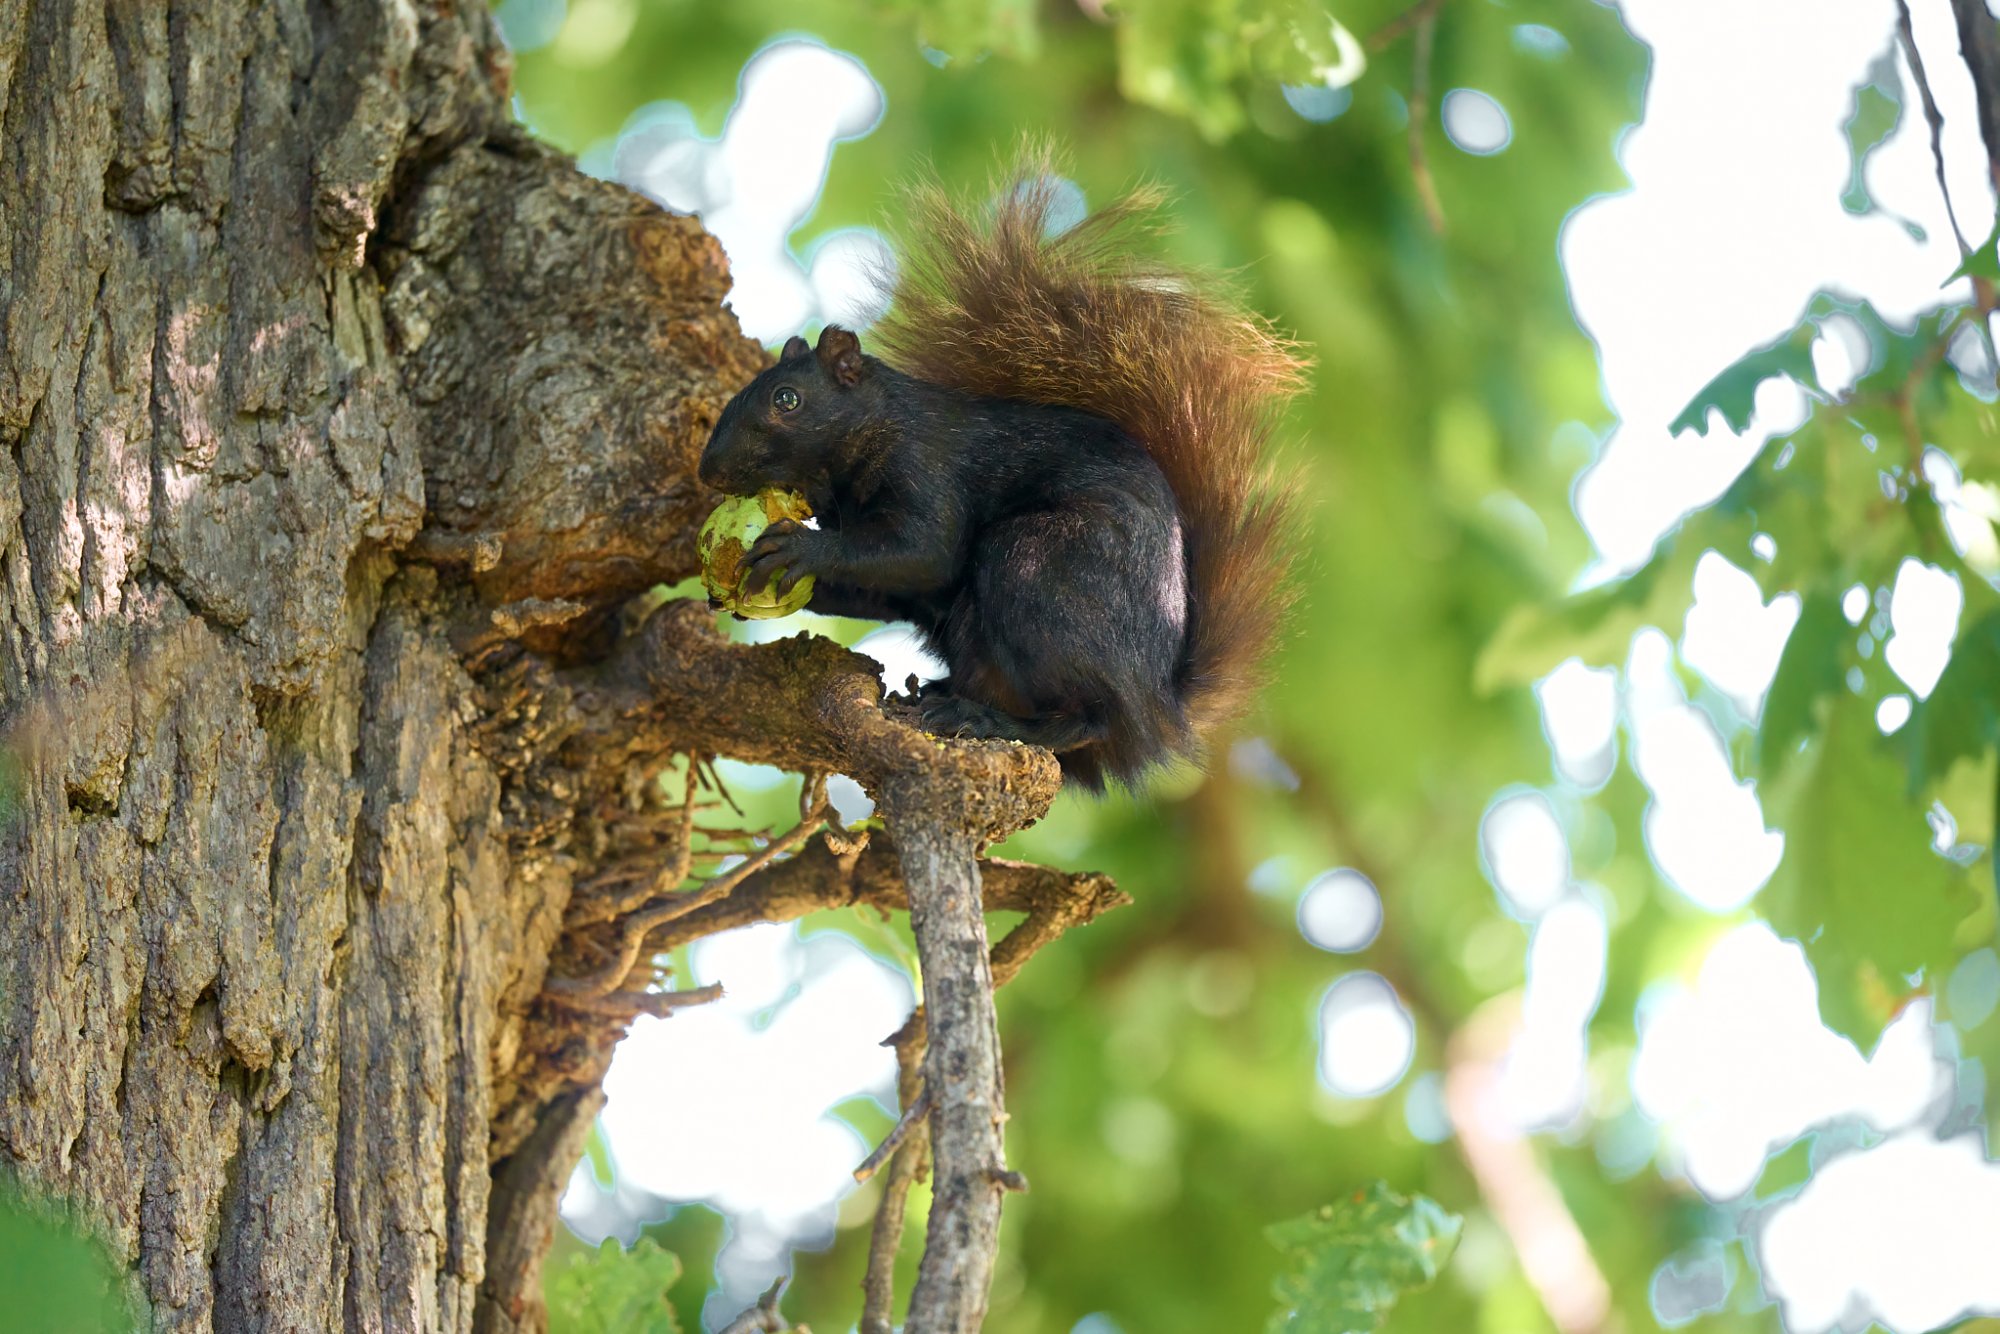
column 1391, row 32
column 961, row 1067
column 763, row 1318
column 1932, row 117
column 807, row 704
column 885, row 1238
column 1979, row 42
column 1420, row 92
column 819, row 878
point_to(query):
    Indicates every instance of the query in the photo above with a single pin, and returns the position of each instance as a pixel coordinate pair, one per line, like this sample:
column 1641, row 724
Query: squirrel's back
column 997, row 301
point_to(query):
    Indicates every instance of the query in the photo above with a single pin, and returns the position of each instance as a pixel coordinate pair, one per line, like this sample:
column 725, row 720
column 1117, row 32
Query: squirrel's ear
column 840, row 354
column 795, row 346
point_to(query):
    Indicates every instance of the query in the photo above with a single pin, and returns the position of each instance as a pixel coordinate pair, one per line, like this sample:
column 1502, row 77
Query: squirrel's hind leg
column 945, row 714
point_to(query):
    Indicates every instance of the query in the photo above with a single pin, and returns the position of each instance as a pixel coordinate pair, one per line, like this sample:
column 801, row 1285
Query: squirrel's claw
column 778, row 553
column 943, row 714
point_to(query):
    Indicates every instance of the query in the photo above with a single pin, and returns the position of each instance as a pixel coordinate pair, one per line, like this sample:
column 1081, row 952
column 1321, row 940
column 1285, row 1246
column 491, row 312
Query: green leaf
column 1877, row 110
column 614, row 1289
column 54, row 1277
column 1809, row 670
column 1169, row 58
column 1983, row 262
column 1596, row 625
column 1291, row 40
column 1961, row 718
column 1734, row 392
column 1859, row 885
column 1193, row 57
column 967, row 29
column 1785, row 1171
column 1350, row 1262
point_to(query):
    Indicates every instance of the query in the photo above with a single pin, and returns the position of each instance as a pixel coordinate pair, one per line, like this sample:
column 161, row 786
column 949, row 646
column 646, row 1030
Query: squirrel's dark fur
column 1058, row 484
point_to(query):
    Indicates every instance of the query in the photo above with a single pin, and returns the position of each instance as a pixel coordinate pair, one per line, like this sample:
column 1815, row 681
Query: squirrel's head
column 787, row 426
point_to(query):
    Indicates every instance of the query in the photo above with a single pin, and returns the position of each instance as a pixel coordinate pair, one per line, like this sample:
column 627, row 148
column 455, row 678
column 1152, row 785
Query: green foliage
column 1877, row 111
column 1860, row 886
column 1733, row 393
column 54, row 1277
column 614, row 1288
column 1983, row 262
column 1595, row 626
column 1809, row 670
column 969, row 29
column 1961, row 719
column 1785, row 1171
column 1348, row 1263
column 1192, row 57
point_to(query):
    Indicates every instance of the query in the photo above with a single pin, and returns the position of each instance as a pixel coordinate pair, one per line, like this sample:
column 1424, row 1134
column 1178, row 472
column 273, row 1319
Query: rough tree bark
column 342, row 429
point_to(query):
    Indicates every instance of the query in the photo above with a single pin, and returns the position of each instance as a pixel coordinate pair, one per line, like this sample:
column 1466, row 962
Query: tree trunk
column 335, row 418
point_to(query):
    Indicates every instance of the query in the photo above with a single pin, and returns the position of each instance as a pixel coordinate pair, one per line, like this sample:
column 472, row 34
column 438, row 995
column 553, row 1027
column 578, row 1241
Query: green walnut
column 727, row 536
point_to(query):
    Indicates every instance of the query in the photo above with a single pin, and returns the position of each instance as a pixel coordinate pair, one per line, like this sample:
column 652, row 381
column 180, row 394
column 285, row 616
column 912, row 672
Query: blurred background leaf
column 614, row 1288
column 54, row 1277
column 1349, row 1262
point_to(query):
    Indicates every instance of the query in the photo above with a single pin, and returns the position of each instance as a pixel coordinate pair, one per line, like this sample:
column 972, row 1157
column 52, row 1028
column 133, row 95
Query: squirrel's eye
column 786, row 399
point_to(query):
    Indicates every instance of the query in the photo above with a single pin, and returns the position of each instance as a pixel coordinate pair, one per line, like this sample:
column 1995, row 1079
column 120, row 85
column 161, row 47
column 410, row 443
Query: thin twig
column 715, row 784
column 1932, row 117
column 625, row 1004
column 604, row 908
column 763, row 1318
column 1979, row 42
column 885, row 1237
column 1420, row 83
column 912, row 1116
column 634, row 928
column 1421, row 19
column 1386, row 36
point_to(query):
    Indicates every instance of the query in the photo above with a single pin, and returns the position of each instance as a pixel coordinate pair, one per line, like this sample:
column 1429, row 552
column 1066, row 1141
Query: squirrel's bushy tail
column 1002, row 299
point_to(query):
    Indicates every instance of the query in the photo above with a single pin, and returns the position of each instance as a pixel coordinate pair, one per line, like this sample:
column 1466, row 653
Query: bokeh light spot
column 1366, row 1036
column 1340, row 911
column 1475, row 122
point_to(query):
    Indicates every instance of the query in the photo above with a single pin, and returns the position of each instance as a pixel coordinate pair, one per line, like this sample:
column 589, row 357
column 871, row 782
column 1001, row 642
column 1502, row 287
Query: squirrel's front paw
column 944, row 714
column 783, row 551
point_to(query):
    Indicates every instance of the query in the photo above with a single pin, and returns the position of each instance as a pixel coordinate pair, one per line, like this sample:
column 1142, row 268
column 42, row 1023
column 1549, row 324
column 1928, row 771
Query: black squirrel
column 1060, row 487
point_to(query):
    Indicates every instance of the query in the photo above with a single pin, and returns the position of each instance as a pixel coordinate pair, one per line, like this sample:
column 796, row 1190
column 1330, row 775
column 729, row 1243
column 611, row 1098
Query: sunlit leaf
column 1859, row 885
column 1785, row 1171
column 1196, row 58
column 1733, row 393
column 1961, row 717
column 1983, row 262
column 1348, row 1263
column 1809, row 670
column 1596, row 625
column 1877, row 110
column 614, row 1289
column 1298, row 42
column 1167, row 59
